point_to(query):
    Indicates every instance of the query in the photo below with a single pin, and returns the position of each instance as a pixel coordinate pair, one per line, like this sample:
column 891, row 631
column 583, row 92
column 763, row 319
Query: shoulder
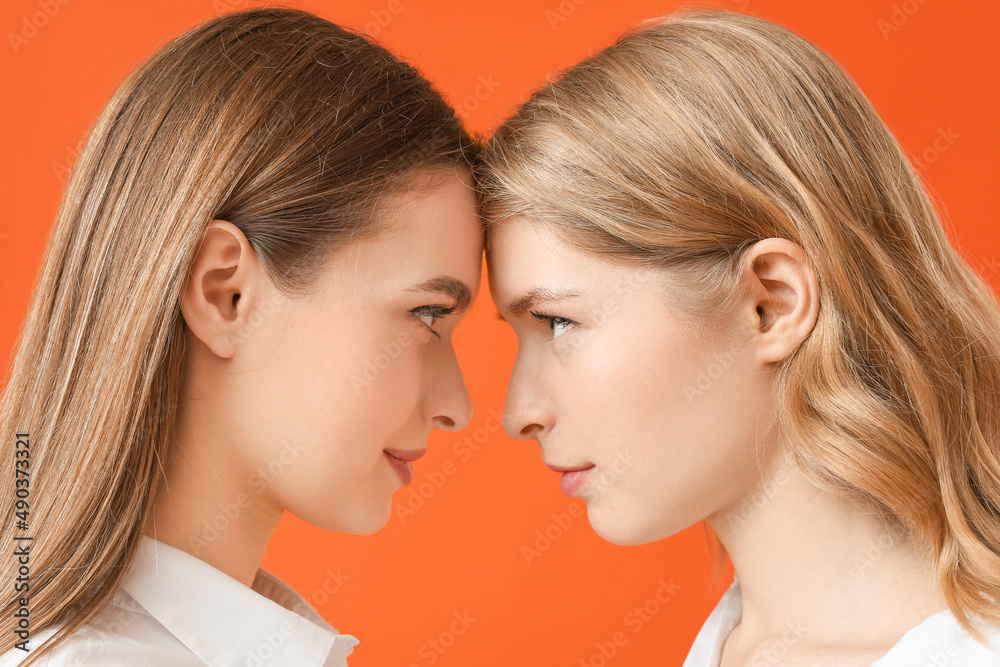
column 960, row 648
column 122, row 634
column 941, row 640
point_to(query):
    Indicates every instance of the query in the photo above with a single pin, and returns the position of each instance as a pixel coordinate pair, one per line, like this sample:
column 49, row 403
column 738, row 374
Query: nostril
column 527, row 430
column 448, row 421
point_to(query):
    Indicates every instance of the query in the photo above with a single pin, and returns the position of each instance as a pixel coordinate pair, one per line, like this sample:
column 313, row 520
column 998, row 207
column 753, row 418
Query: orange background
column 930, row 68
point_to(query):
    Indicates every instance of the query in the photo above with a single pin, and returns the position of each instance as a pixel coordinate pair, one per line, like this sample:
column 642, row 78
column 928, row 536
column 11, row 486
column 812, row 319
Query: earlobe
column 218, row 276
column 785, row 296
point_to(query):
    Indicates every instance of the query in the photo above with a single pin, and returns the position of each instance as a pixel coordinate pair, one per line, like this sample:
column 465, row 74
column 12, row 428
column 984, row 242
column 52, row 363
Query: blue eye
column 554, row 322
column 434, row 313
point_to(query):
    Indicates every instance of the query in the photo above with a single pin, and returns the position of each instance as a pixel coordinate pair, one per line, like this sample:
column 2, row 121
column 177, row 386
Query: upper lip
column 569, row 468
column 406, row 454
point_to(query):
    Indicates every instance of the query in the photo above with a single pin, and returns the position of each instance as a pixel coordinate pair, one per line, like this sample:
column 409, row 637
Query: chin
column 354, row 521
column 617, row 529
column 372, row 521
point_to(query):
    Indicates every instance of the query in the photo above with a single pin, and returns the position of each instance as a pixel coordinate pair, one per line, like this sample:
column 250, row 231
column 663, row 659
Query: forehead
column 519, row 241
column 430, row 232
column 524, row 254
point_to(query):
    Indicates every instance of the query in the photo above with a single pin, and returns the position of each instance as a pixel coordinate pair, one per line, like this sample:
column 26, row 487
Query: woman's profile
column 245, row 308
column 735, row 302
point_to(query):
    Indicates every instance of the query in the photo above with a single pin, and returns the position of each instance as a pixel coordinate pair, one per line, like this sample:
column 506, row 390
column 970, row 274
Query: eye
column 557, row 325
column 430, row 314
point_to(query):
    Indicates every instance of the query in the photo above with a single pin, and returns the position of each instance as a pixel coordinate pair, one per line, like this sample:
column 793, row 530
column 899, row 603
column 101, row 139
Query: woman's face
column 318, row 389
column 662, row 412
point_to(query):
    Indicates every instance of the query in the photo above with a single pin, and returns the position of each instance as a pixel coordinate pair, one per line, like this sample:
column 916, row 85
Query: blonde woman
column 734, row 302
column 245, row 308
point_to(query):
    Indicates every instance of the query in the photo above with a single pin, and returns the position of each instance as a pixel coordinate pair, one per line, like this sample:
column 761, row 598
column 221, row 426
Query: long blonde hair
column 693, row 137
column 286, row 125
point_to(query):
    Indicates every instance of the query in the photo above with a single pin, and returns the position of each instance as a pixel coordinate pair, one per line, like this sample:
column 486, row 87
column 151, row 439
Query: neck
column 816, row 567
column 207, row 505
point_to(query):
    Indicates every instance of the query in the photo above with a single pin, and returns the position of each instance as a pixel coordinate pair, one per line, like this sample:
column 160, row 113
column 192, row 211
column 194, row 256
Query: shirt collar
column 706, row 651
column 224, row 622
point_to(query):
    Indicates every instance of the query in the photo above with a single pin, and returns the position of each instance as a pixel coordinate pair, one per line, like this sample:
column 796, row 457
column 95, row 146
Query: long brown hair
column 693, row 137
column 286, row 125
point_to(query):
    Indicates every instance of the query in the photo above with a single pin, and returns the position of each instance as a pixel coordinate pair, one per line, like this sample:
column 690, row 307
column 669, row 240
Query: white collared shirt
column 175, row 610
column 936, row 641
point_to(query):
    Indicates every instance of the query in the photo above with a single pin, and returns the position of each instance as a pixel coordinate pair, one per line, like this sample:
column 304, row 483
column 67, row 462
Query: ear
column 218, row 287
column 784, row 296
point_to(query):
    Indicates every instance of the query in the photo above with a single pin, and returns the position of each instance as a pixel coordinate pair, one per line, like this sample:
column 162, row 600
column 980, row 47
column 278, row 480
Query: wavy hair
column 696, row 135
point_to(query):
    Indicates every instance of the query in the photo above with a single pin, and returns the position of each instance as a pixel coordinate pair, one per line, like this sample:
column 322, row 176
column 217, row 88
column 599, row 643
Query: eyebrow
column 453, row 287
column 533, row 297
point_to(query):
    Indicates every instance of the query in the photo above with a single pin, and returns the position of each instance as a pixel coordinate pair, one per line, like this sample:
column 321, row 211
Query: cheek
column 625, row 381
column 703, row 462
column 350, row 400
column 379, row 383
column 342, row 393
column 666, row 422
column 648, row 429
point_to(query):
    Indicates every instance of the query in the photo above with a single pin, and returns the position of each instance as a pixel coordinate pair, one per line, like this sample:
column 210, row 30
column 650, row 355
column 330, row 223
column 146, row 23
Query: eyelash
column 437, row 311
column 550, row 319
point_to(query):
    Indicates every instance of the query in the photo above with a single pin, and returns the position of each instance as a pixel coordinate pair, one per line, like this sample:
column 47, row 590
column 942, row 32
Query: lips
column 400, row 459
column 572, row 481
column 573, row 477
column 569, row 468
column 406, row 454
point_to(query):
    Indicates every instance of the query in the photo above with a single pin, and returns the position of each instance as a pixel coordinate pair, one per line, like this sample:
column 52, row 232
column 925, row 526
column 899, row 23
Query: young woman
column 245, row 308
column 734, row 302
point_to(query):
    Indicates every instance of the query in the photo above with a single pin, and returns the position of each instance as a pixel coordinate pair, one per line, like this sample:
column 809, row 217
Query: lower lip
column 403, row 468
column 572, row 481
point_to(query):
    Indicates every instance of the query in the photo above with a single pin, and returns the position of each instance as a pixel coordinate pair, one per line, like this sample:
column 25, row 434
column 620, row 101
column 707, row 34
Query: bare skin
column 288, row 403
column 677, row 418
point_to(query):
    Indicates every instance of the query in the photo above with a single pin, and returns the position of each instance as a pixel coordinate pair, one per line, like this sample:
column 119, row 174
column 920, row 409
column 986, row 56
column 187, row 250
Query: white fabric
column 937, row 641
column 176, row 610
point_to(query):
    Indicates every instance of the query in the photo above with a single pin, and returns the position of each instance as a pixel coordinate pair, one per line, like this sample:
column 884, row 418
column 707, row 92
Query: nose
column 446, row 404
column 527, row 411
